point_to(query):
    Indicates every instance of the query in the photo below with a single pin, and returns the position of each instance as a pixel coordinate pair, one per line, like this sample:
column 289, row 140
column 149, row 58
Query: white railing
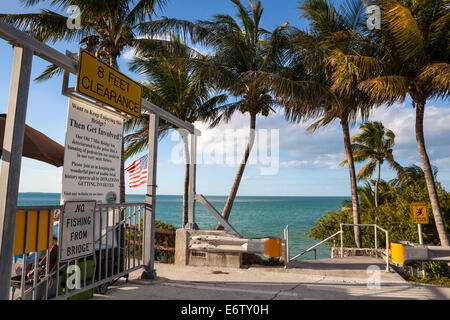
column 341, row 232
column 313, row 248
column 376, row 240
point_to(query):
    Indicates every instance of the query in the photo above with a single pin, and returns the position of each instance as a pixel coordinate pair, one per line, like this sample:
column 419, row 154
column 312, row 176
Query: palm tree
column 240, row 48
column 413, row 58
column 174, row 87
column 374, row 143
column 107, row 29
column 316, row 56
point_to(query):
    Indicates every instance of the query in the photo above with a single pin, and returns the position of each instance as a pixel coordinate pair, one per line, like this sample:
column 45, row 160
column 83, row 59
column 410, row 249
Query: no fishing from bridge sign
column 101, row 82
column 77, row 230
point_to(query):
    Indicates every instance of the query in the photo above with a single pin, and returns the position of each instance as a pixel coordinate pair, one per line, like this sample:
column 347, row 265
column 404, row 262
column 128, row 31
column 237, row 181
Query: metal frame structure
column 25, row 47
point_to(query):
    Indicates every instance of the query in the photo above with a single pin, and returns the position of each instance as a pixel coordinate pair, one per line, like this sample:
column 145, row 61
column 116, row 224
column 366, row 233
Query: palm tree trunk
column 186, row 180
column 354, row 187
column 429, row 177
column 377, row 183
column 237, row 180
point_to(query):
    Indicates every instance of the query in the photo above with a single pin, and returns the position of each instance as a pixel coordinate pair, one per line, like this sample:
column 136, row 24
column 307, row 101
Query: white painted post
column 192, row 182
column 12, row 160
column 420, row 230
column 376, row 240
column 387, row 252
column 150, row 200
column 342, row 242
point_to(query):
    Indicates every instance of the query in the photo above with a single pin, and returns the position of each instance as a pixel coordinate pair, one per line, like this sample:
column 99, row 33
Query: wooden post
column 12, row 160
column 150, row 200
column 192, row 182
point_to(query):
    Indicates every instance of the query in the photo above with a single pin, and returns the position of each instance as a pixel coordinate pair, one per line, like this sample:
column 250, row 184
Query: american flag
column 138, row 172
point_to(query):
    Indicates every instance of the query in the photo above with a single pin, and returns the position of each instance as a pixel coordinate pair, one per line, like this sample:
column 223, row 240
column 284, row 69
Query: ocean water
column 253, row 217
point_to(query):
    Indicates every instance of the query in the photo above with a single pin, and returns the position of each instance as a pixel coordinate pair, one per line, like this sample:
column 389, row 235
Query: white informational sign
column 77, row 230
column 92, row 154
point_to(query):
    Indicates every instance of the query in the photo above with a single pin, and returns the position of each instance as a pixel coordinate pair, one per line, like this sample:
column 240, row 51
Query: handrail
column 376, row 244
column 315, row 246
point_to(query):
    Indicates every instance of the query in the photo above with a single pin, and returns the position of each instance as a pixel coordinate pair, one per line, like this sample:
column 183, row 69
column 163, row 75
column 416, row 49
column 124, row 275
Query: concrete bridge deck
column 330, row 279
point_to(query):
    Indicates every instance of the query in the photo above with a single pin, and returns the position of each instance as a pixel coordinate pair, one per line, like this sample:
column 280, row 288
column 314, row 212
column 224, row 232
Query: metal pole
column 419, row 227
column 342, row 243
column 192, row 181
column 150, row 200
column 376, row 241
column 387, row 252
column 12, row 160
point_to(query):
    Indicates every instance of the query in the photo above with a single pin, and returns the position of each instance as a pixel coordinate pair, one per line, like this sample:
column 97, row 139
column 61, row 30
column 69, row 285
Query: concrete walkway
column 331, row 279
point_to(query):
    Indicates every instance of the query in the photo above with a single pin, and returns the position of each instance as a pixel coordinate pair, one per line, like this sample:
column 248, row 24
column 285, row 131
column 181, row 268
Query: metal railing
column 313, row 248
column 118, row 243
column 341, row 232
column 376, row 240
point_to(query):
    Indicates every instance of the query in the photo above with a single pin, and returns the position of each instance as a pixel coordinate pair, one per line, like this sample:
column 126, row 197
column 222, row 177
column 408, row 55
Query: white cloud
column 324, row 148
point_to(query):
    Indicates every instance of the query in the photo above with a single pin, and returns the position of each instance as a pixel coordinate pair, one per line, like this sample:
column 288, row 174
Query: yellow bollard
column 272, row 248
column 397, row 252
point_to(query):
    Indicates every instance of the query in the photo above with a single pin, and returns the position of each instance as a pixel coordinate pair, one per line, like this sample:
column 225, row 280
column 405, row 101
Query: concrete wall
column 185, row 256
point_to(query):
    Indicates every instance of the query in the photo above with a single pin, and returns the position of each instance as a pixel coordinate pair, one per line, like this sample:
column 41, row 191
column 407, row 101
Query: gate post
column 12, row 160
column 150, row 200
column 192, row 183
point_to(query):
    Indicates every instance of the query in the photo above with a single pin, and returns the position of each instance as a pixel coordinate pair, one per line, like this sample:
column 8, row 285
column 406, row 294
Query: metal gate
column 108, row 263
column 38, row 273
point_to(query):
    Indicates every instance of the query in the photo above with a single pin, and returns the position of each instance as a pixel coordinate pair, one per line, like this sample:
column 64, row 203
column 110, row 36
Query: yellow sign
column 419, row 213
column 101, row 82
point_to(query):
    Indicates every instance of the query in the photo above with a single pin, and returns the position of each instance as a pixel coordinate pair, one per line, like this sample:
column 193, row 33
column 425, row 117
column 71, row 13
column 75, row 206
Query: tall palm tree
column 240, row 48
column 107, row 28
column 174, row 87
column 375, row 143
column 413, row 59
column 318, row 58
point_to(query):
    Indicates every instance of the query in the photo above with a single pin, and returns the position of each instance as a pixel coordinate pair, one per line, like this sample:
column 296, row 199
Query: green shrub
column 394, row 215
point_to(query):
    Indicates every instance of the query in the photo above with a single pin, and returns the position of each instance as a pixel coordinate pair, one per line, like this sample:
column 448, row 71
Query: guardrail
column 40, row 275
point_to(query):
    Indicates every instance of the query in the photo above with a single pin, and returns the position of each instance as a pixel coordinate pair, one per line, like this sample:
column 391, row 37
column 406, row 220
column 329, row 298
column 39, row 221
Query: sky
column 307, row 165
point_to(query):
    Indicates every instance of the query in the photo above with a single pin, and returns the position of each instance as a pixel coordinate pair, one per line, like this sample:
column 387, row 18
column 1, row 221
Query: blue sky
column 308, row 162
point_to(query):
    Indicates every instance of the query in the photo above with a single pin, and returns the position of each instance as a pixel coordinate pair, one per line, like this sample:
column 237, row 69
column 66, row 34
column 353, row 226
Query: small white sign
column 77, row 230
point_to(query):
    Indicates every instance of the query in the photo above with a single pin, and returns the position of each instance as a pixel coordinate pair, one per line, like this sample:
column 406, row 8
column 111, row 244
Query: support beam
column 228, row 227
column 40, row 49
column 163, row 114
column 192, row 184
column 12, row 160
column 150, row 200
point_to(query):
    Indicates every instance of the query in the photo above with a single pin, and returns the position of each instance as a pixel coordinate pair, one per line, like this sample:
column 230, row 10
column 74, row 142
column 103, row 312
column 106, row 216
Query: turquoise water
column 253, row 217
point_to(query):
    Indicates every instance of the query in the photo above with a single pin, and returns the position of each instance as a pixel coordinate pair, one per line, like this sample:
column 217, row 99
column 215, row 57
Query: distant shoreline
column 221, row 196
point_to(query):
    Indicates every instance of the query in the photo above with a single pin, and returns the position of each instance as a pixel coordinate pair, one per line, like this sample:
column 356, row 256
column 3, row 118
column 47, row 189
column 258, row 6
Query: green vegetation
column 393, row 212
column 160, row 240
